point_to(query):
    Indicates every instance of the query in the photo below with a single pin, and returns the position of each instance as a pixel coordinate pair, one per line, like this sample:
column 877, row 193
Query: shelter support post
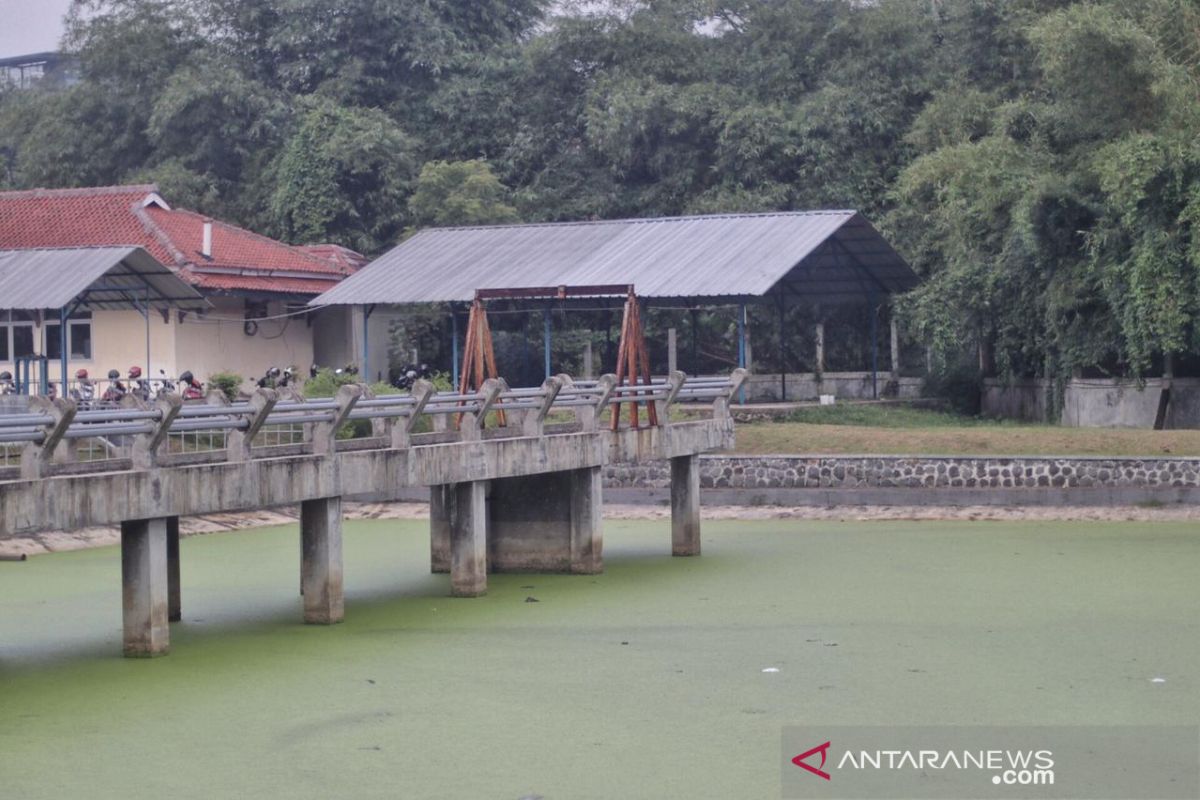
column 743, row 354
column 874, row 347
column 782, row 350
column 685, row 506
column 366, row 343
column 454, row 343
column 695, row 314
column 546, row 340
column 672, row 351
column 819, row 356
column 64, row 377
column 174, row 596
column 144, row 588
column 321, row 560
column 895, row 331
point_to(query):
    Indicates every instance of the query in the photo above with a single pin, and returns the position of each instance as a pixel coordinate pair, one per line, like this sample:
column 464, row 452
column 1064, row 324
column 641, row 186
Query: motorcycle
column 410, row 375
column 7, row 386
column 116, row 390
column 192, row 388
column 139, row 387
column 271, row 379
column 84, row 393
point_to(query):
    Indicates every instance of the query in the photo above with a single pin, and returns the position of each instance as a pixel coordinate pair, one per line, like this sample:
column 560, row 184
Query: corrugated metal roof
column 834, row 254
column 101, row 277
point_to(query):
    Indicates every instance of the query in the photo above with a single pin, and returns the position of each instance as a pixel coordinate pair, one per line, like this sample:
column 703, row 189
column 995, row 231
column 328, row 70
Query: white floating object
column 771, row 669
column 1158, row 680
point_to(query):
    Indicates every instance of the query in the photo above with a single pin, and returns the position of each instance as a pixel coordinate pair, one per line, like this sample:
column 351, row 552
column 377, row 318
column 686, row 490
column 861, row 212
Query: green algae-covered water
column 644, row 682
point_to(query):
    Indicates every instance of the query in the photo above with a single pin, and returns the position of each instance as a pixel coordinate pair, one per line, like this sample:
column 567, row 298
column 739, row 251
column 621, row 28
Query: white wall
column 216, row 341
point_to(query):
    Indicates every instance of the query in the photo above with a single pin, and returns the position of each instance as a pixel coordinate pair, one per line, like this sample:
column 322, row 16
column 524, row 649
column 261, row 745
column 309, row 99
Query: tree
column 459, row 193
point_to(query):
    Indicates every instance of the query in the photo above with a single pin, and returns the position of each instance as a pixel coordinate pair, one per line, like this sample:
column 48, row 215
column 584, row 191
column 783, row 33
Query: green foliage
column 889, row 416
column 228, row 383
column 1034, row 159
column 459, row 193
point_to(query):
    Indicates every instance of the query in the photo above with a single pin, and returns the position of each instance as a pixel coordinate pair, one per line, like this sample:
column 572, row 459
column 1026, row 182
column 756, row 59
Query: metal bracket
column 35, row 457
column 147, row 447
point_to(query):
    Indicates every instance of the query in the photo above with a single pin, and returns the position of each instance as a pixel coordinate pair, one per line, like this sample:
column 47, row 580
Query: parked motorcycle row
column 90, row 392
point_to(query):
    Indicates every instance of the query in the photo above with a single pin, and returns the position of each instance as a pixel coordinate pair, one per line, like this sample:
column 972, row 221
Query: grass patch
column 886, row 416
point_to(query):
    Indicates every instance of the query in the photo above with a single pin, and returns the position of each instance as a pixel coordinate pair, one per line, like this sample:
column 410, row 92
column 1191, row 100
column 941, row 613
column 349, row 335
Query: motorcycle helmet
column 187, row 377
column 113, row 375
column 5, row 376
column 81, row 374
column 135, row 372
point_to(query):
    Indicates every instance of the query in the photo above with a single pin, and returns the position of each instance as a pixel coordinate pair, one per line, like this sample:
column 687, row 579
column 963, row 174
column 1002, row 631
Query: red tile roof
column 351, row 260
column 241, row 261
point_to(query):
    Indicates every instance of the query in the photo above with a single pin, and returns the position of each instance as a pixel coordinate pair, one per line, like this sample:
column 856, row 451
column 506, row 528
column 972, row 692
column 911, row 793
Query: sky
column 30, row 26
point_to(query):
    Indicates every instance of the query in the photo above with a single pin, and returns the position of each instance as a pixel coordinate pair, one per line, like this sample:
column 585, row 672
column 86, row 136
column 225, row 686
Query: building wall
column 119, row 342
column 217, row 342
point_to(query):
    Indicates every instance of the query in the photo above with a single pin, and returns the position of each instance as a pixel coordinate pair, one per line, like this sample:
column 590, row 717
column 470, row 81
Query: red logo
column 823, row 750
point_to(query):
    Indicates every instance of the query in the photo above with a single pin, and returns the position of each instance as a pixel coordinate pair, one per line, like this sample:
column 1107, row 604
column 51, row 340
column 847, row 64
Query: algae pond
column 645, row 682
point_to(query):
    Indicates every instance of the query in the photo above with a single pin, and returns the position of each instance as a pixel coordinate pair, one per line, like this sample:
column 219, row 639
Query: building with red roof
column 258, row 286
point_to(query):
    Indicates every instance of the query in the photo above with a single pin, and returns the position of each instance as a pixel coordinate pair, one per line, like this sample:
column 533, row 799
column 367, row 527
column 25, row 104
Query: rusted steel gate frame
column 633, row 359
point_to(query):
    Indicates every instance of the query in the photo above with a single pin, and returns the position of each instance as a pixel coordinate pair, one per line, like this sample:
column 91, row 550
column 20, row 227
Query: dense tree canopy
column 1037, row 160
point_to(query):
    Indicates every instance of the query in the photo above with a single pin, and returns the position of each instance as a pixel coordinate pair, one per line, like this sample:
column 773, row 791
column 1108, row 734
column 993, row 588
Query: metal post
column 546, row 338
column 62, row 352
column 695, row 336
column 366, row 343
column 741, row 332
column 874, row 348
column 454, row 344
column 782, row 353
column 672, row 356
column 147, row 373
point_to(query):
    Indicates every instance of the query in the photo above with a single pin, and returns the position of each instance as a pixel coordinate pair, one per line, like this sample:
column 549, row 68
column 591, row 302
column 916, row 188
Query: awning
column 91, row 278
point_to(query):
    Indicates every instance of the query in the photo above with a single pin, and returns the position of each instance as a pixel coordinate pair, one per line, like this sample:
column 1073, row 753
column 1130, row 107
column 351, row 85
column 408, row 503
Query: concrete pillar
column 546, row 523
column 468, row 539
column 321, row 560
column 440, row 499
column 685, row 506
column 672, row 351
column 144, row 588
column 174, row 598
column 587, row 540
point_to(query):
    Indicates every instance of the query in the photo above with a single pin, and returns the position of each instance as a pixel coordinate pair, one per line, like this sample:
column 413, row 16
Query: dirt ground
column 60, row 541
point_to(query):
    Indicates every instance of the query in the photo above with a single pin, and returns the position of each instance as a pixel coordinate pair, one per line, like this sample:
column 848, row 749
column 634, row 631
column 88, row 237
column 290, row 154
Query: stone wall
column 916, row 472
column 1094, row 402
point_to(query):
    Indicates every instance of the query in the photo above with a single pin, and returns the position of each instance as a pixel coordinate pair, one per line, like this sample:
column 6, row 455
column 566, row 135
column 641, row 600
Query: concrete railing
column 50, row 433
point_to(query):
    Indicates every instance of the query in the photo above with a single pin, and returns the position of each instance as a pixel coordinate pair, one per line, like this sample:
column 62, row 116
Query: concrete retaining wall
column 1095, row 403
column 917, row 480
column 765, row 388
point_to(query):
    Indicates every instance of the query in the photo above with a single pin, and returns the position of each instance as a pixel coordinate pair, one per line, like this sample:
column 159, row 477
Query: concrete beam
column 144, row 588
column 321, row 560
column 468, row 539
column 685, row 506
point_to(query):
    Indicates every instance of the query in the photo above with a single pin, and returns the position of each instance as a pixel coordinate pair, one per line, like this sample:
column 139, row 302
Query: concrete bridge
column 521, row 496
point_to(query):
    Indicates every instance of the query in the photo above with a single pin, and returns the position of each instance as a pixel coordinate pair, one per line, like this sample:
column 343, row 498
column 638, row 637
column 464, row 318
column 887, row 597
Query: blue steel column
column 741, row 334
column 874, row 348
column 454, row 344
column 62, row 353
column 546, row 338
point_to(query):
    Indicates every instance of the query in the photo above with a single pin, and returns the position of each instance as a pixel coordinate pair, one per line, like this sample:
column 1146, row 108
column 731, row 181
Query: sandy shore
column 58, row 541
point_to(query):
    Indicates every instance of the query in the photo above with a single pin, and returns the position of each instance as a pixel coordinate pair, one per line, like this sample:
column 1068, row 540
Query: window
column 19, row 336
column 79, row 331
